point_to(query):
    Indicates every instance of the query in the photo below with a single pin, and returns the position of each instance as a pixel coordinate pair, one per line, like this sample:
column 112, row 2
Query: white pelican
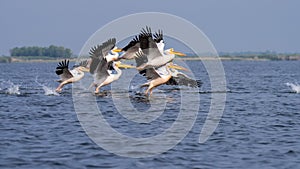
column 154, row 49
column 159, row 40
column 165, row 74
column 134, row 45
column 130, row 49
column 70, row 76
column 107, row 49
column 101, row 63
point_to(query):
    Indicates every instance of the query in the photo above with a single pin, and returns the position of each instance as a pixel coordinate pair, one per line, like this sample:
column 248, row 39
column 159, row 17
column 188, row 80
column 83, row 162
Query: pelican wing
column 62, row 70
column 183, row 80
column 149, row 73
column 140, row 59
column 148, row 45
column 108, row 45
column 101, row 72
column 131, row 48
column 158, row 36
column 98, row 52
column 84, row 63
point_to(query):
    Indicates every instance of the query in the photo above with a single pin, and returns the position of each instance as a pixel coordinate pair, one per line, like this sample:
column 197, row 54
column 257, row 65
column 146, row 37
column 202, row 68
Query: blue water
column 260, row 127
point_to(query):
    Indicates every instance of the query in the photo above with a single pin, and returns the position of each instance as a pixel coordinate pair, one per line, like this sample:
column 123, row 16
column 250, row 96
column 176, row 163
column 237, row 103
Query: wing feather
column 158, row 36
column 182, row 79
column 62, row 70
column 101, row 72
column 98, row 52
column 130, row 49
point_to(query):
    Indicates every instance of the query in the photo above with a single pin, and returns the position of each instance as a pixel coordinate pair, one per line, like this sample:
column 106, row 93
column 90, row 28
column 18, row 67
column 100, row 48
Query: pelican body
column 156, row 63
column 69, row 76
column 103, row 57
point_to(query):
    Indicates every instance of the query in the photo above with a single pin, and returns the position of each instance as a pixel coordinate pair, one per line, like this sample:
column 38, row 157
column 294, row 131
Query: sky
column 231, row 25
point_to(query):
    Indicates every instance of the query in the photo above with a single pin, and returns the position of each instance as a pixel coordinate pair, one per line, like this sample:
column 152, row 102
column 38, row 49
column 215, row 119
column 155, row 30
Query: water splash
column 294, row 87
column 13, row 89
column 48, row 91
column 132, row 87
column 9, row 87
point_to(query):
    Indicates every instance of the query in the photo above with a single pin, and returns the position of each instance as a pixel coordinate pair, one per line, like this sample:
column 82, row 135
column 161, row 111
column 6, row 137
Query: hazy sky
column 231, row 25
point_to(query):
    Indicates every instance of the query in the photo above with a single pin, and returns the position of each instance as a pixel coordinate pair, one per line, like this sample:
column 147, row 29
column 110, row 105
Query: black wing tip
column 146, row 32
column 132, row 43
column 158, row 36
column 199, row 83
column 61, row 66
column 95, row 50
column 140, row 58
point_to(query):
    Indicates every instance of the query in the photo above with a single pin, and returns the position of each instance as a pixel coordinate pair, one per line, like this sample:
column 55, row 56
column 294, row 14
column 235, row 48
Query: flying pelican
column 70, row 76
column 101, row 64
column 130, row 49
column 107, row 49
column 154, row 49
column 134, row 45
column 166, row 74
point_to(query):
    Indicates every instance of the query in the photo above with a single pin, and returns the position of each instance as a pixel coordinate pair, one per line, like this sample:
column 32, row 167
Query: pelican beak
column 84, row 69
column 172, row 66
column 117, row 50
column 125, row 66
column 176, row 53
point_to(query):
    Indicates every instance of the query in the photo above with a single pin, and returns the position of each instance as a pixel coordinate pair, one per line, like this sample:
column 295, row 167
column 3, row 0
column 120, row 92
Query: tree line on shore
column 51, row 51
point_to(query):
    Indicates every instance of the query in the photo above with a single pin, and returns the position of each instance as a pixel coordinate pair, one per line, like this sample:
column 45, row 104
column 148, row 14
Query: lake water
column 260, row 126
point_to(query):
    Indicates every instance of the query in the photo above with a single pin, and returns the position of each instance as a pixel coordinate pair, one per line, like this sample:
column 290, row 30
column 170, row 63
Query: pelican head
column 113, row 55
column 171, row 51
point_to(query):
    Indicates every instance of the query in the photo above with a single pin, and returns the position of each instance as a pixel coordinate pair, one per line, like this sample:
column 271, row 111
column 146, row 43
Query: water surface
column 259, row 129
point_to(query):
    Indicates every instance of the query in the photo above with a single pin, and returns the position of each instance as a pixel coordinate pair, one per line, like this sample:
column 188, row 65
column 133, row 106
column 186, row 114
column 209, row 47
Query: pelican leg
column 146, row 92
column 144, row 85
column 97, row 90
column 61, row 85
column 150, row 88
column 155, row 83
column 59, row 88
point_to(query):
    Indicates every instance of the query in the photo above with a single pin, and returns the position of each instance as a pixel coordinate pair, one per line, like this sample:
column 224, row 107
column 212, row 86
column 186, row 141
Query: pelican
column 154, row 49
column 134, row 45
column 101, row 63
column 107, row 49
column 166, row 74
column 70, row 76
column 130, row 49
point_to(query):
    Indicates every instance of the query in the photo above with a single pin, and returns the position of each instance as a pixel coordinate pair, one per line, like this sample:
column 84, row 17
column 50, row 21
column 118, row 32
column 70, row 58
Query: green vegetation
column 267, row 55
column 5, row 59
column 54, row 53
column 35, row 51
